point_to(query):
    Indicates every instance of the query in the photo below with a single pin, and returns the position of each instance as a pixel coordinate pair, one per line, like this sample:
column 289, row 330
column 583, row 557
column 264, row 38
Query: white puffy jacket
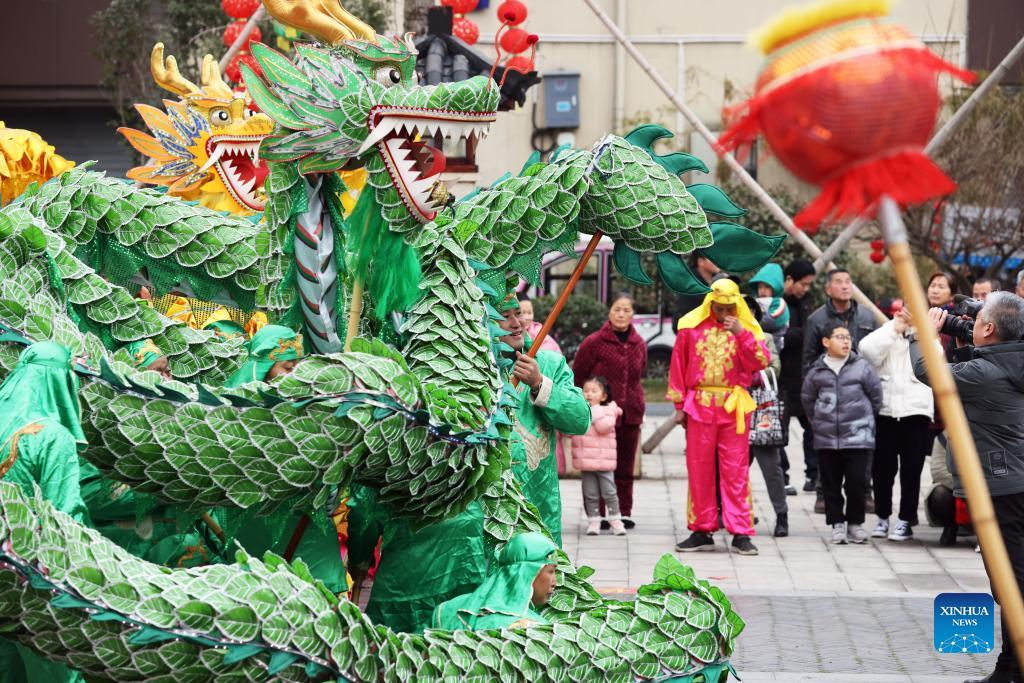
column 902, row 394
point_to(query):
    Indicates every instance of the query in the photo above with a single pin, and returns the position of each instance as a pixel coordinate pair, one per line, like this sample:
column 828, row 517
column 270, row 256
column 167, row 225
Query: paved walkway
column 814, row 611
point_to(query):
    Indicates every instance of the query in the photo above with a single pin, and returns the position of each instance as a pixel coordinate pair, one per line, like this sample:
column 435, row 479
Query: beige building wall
column 698, row 46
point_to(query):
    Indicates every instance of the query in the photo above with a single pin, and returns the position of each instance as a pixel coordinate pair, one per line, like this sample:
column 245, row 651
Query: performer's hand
column 900, row 322
column 732, row 323
column 937, row 317
column 527, row 370
column 680, row 418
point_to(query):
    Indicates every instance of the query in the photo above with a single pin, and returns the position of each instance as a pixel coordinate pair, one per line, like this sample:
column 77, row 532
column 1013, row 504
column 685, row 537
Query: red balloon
column 512, row 12
column 465, row 29
column 515, row 40
column 877, row 256
column 239, row 9
column 233, row 30
column 520, row 63
column 460, row 6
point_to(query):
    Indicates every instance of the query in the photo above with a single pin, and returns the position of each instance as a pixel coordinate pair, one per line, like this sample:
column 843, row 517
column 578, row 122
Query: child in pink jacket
column 593, row 454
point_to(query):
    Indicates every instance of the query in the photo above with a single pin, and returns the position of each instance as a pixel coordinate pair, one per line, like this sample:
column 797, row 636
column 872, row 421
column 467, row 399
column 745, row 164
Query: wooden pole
column 663, row 430
column 242, row 38
column 759, row 192
column 556, row 310
column 214, row 527
column 355, row 311
column 293, row 542
column 961, row 444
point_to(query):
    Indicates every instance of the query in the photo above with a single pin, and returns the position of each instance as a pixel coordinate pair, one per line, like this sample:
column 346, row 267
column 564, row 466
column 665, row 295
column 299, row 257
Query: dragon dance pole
column 242, row 38
column 556, row 310
column 961, row 444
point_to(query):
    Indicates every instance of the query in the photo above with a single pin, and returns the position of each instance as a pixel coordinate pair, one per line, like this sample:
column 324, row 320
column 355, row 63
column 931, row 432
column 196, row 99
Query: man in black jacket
column 991, row 387
column 799, row 276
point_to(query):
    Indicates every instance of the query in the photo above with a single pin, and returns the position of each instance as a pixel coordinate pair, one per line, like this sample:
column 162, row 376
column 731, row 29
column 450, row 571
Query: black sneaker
column 781, row 526
column 628, row 523
column 605, row 526
column 869, row 503
column 698, row 541
column 790, row 490
column 948, row 537
column 819, row 504
column 809, row 485
column 743, row 546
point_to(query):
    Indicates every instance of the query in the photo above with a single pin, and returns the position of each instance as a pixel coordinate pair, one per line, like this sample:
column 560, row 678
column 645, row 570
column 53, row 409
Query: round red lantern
column 877, row 256
column 239, row 9
column 234, row 29
column 512, row 12
column 466, row 30
column 847, row 100
column 520, row 63
column 233, row 70
column 515, row 40
column 461, row 6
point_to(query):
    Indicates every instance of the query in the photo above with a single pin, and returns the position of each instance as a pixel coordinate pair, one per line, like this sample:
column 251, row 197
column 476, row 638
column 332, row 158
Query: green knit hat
column 273, row 343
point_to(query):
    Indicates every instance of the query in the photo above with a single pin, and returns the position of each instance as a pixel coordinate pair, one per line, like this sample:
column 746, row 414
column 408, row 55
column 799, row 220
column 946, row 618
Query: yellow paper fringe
column 795, row 21
column 26, row 158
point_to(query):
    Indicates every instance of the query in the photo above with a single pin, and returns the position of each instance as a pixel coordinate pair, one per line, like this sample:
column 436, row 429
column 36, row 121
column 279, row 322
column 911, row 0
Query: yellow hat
column 725, row 292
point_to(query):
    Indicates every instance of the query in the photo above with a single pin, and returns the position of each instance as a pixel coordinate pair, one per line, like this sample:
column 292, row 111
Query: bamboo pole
column 355, row 311
column 556, row 310
column 242, row 38
column 759, row 192
column 293, row 542
column 214, row 527
column 961, row 444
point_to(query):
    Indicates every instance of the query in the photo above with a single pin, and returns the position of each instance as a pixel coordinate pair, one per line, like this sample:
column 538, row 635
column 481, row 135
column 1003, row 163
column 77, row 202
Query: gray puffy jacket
column 842, row 407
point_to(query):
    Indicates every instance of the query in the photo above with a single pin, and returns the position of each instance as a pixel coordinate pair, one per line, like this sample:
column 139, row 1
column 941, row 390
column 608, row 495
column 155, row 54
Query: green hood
column 271, row 344
column 42, row 385
column 144, row 353
column 504, row 597
column 771, row 275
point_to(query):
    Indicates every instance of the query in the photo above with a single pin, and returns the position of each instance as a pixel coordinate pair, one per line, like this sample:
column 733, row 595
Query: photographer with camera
column 991, row 387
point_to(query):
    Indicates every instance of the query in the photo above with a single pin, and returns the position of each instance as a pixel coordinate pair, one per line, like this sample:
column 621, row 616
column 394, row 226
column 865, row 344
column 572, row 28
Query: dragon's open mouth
column 404, row 135
column 236, row 158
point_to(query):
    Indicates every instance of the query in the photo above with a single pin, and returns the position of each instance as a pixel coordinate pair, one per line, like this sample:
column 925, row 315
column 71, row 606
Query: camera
column 955, row 325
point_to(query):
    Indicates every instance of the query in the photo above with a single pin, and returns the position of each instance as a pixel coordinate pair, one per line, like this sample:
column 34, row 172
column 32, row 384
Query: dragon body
column 425, row 420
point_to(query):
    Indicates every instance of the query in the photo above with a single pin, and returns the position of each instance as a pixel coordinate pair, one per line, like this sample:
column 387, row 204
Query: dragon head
column 206, row 145
column 353, row 101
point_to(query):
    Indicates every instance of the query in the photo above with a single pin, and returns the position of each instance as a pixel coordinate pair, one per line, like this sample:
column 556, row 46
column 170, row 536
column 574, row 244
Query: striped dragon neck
column 317, row 273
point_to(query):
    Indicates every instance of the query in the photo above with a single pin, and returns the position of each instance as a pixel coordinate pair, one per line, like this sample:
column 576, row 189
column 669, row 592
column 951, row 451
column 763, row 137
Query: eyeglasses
column 842, row 337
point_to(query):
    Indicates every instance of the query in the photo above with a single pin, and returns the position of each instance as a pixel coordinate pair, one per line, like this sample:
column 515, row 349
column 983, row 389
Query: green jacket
column 419, row 569
column 558, row 406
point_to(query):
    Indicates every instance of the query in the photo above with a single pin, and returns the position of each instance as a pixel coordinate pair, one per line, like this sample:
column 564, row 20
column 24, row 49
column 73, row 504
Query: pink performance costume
column 709, row 376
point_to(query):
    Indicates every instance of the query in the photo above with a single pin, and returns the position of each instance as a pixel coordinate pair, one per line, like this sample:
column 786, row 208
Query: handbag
column 766, row 420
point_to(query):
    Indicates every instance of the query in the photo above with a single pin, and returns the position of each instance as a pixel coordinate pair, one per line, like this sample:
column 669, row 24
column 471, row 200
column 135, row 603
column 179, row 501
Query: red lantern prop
column 515, row 40
column 466, row 30
column 233, row 70
column 234, row 29
column 847, row 100
column 239, row 9
column 520, row 63
column 461, row 6
column 512, row 12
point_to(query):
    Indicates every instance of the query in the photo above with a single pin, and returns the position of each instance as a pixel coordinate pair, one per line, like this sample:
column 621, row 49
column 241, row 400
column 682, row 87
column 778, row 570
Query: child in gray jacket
column 841, row 395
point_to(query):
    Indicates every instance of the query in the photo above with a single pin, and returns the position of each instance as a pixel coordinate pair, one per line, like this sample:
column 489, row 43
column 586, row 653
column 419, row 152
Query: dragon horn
column 211, row 78
column 325, row 19
column 166, row 74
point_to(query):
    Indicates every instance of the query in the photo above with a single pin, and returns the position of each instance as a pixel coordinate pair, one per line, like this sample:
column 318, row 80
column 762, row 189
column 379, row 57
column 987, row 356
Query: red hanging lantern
column 877, row 251
column 461, row 6
column 466, row 30
column 847, row 99
column 520, row 63
column 515, row 40
column 239, row 9
column 877, row 256
column 512, row 12
column 234, row 29
column 233, row 69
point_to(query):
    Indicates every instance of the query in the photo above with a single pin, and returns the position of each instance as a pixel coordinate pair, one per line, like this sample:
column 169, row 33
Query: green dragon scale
column 425, row 420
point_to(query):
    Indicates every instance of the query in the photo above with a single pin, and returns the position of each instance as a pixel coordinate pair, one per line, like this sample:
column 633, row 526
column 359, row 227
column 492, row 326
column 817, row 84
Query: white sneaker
column 902, row 532
column 839, row 533
column 618, row 528
column 594, row 526
column 881, row 529
column 858, row 534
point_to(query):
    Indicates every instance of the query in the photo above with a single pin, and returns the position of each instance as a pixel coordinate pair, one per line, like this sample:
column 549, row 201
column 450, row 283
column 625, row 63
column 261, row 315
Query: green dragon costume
column 418, row 409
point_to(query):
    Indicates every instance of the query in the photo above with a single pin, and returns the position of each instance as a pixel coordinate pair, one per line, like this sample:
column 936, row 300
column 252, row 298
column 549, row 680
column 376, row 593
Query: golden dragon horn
column 212, row 80
column 166, row 74
column 325, row 19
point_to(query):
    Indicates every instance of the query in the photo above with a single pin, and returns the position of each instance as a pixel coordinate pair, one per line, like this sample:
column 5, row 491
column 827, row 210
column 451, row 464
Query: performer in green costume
column 138, row 522
column 419, row 569
column 273, row 352
column 40, row 434
column 524, row 579
column 548, row 401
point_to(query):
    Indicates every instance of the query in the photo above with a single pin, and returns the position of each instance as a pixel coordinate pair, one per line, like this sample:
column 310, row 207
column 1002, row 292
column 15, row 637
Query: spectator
column 840, row 309
column 984, row 286
column 940, row 292
column 618, row 354
column 767, row 286
column 940, row 505
column 593, row 454
column 991, row 387
column 533, row 327
column 799, row 276
column 841, row 395
column 903, row 427
column 718, row 348
column 705, row 270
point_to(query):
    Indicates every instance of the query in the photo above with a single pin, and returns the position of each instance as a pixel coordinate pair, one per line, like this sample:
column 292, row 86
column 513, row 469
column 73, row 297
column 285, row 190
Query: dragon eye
column 220, row 116
column 388, row 75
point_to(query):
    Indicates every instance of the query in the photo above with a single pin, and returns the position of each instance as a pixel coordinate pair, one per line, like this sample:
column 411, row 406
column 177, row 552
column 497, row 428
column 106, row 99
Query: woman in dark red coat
column 618, row 354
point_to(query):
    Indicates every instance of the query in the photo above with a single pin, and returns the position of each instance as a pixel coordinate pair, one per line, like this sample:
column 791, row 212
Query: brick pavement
column 814, row 611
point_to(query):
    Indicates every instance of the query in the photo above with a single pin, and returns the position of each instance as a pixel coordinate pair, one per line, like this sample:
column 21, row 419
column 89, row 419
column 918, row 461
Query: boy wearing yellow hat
column 719, row 347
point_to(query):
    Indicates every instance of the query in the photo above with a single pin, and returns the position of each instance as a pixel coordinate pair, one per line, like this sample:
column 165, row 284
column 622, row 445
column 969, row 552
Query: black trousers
column 1010, row 516
column 810, row 457
column 843, row 470
column 900, row 445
